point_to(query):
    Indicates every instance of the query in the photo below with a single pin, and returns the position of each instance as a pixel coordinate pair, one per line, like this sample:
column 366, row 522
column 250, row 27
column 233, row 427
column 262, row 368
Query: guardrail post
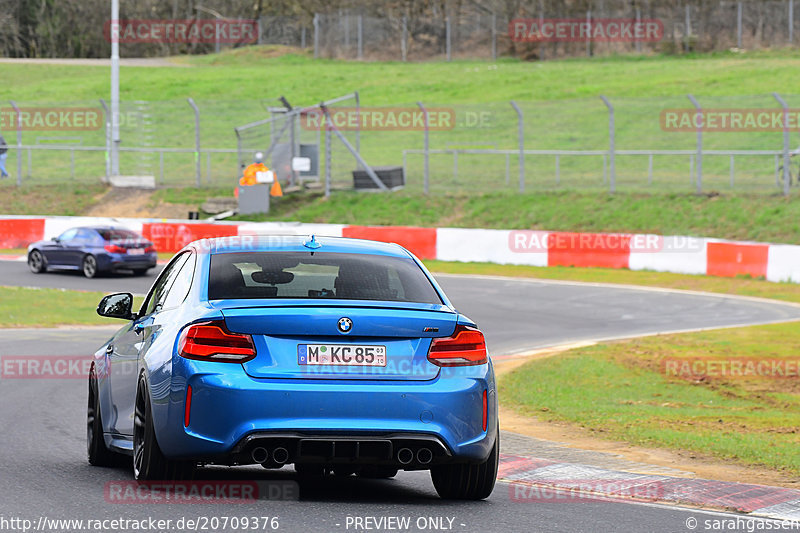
column 427, row 148
column 521, row 140
column 19, row 141
column 786, row 174
column 699, row 180
column 198, row 168
column 612, row 177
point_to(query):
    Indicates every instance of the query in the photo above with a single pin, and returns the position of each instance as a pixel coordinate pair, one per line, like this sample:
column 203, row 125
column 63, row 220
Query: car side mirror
column 54, row 239
column 117, row 305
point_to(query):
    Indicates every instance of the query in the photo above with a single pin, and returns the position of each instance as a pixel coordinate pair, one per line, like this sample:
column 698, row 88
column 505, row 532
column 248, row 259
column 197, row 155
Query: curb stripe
column 678, row 254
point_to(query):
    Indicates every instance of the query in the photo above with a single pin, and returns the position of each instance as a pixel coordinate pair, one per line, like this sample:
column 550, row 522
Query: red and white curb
column 533, row 480
column 679, row 254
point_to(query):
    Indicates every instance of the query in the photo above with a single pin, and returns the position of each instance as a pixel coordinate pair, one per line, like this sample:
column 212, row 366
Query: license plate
column 341, row 354
column 135, row 251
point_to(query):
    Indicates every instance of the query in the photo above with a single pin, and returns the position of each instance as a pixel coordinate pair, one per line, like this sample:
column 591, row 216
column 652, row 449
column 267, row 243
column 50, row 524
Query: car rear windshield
column 118, row 234
column 318, row 275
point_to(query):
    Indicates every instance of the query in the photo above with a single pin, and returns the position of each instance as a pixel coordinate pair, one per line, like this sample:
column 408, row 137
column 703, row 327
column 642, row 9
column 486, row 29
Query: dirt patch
column 136, row 203
column 572, row 436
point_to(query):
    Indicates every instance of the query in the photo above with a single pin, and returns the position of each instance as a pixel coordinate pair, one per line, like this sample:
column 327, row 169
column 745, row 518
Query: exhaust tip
column 424, row 455
column 280, row 455
column 405, row 456
column 259, row 455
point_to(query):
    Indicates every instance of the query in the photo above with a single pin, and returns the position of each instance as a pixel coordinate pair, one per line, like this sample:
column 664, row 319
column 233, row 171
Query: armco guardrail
column 679, row 254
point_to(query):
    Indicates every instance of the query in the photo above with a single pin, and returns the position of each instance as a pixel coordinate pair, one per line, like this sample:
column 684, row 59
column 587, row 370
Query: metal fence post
column 494, row 36
column 688, row 27
column 316, row 35
column 198, row 169
column 363, row 164
column 589, row 33
column 346, row 32
column 786, row 175
column 638, row 23
column 404, row 40
column 739, row 25
column 427, row 148
column 361, row 37
column 447, row 36
column 358, row 125
column 19, row 141
column 327, row 160
column 612, row 182
column 521, row 139
column 699, row 180
column 107, row 124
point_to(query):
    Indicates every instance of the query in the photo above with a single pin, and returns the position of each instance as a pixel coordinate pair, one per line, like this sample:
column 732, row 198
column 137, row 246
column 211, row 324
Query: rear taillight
column 466, row 346
column 150, row 249
column 211, row 341
column 114, row 249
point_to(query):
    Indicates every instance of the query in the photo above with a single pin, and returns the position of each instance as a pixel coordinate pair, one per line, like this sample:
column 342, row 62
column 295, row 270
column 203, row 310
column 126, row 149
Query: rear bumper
column 113, row 262
column 232, row 412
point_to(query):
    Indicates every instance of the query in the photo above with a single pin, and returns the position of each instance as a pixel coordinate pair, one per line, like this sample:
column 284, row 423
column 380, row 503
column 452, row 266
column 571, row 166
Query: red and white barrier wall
column 680, row 254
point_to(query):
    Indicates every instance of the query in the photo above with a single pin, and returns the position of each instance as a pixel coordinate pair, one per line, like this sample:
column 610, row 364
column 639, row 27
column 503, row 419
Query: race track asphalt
column 44, row 473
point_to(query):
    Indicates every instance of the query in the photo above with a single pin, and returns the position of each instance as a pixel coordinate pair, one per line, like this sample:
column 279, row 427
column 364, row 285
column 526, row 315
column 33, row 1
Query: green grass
column 53, row 199
column 727, row 216
column 26, row 307
column 255, row 72
column 559, row 98
column 739, row 217
column 750, row 420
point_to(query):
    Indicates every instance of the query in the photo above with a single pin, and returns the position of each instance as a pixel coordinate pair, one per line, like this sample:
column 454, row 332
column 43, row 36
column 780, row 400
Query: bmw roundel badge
column 345, row 325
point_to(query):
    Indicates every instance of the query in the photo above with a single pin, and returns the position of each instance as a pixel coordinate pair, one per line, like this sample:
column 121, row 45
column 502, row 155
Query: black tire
column 36, row 262
column 97, row 452
column 377, row 472
column 467, row 481
column 89, row 266
column 149, row 462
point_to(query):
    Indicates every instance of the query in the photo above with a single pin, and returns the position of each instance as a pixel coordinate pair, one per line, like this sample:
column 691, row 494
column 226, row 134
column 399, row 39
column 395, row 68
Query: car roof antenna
column 312, row 243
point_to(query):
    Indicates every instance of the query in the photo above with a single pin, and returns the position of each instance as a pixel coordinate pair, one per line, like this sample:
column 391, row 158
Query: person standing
column 3, row 156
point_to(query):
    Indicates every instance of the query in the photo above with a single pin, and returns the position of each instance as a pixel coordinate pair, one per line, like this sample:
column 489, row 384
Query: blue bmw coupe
column 339, row 356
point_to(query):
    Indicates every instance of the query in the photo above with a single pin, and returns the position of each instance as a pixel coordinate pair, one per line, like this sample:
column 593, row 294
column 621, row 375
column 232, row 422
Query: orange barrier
column 171, row 237
column 605, row 250
column 732, row 259
column 419, row 241
column 20, row 232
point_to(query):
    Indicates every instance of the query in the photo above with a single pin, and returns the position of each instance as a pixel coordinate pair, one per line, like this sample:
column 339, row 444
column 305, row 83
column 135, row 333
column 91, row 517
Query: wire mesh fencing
column 667, row 144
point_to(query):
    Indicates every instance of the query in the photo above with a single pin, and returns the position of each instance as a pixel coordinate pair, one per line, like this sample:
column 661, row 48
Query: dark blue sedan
column 93, row 250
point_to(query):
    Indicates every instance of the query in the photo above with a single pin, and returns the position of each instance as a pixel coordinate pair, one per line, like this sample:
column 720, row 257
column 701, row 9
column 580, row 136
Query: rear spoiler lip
column 263, row 303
